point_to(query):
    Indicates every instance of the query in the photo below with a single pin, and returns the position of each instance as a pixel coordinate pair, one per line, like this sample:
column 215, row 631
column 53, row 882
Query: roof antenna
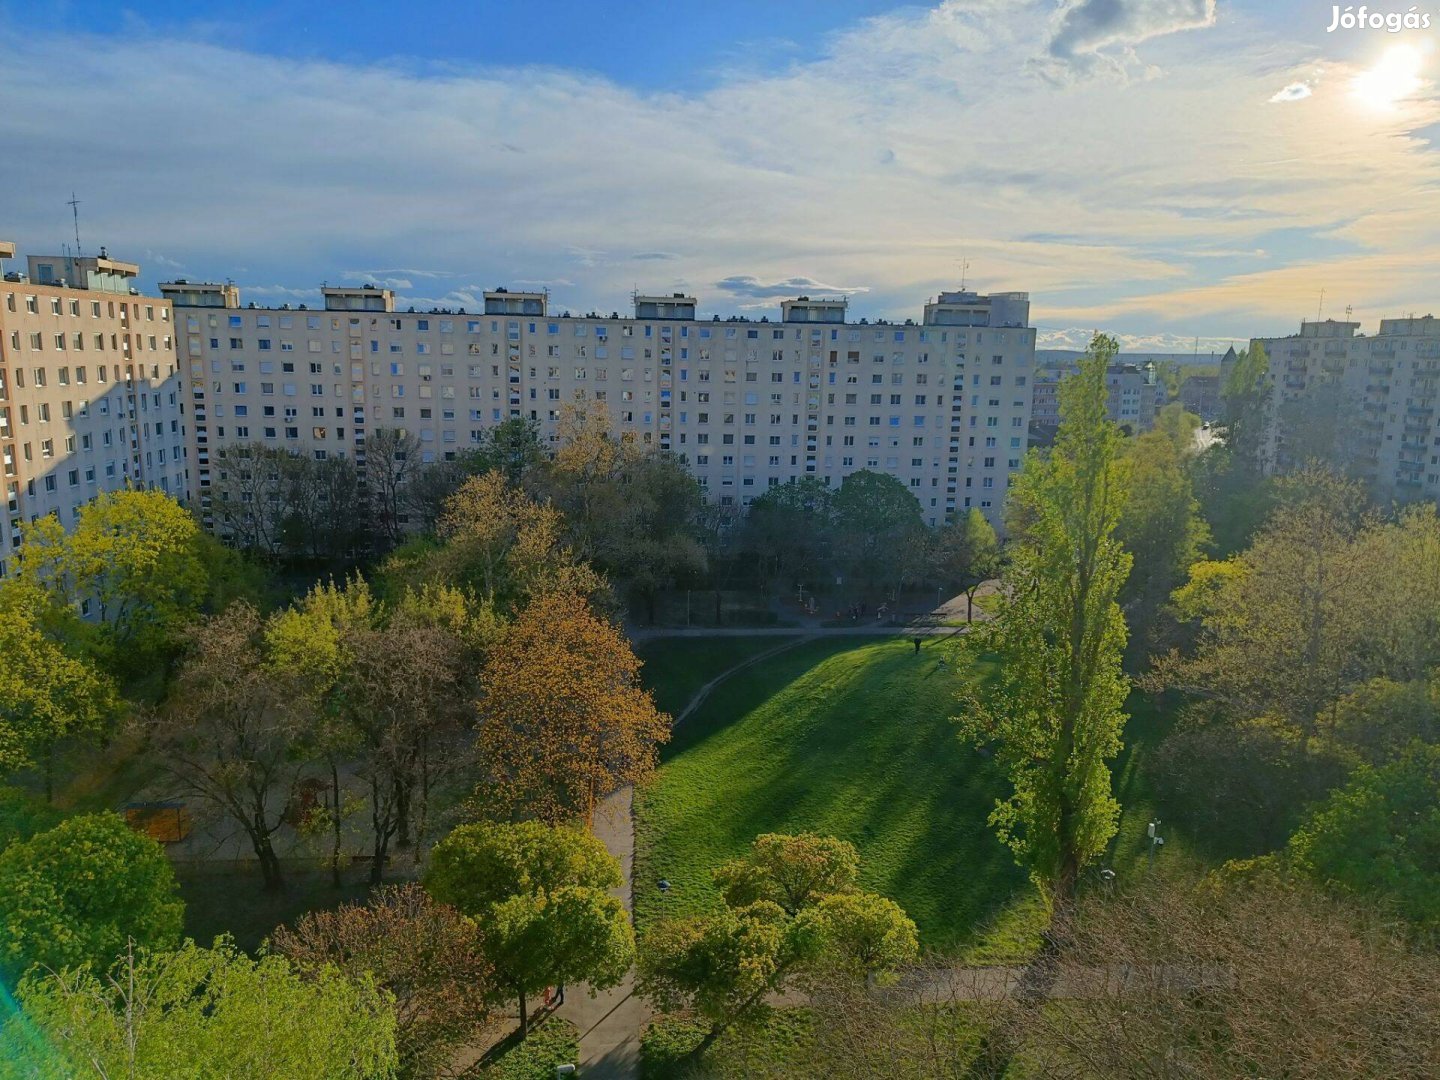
column 1321, row 306
column 964, row 269
column 74, row 205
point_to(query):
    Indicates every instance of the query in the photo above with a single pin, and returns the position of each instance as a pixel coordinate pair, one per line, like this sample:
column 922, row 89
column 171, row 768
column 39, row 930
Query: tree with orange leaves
column 563, row 718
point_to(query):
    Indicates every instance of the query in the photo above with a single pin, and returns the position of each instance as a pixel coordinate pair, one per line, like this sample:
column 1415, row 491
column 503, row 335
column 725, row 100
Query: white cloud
column 886, row 156
column 1295, row 91
column 1101, row 34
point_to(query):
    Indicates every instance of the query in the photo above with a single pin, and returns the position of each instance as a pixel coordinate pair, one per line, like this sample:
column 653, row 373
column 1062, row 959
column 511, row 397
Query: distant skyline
column 1158, row 169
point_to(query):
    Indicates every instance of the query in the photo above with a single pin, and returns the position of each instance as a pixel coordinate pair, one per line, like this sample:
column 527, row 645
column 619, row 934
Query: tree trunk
column 970, row 605
column 384, row 827
column 524, row 1016
column 402, row 812
column 269, row 863
column 335, row 824
column 423, row 824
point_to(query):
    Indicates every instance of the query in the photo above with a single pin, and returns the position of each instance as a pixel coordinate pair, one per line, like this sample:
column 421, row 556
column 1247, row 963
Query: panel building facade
column 1381, row 390
column 90, row 393
column 1134, row 395
column 942, row 403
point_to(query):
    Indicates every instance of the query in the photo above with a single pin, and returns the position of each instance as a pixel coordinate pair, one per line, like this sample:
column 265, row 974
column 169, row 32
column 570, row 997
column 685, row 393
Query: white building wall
column 1394, row 379
column 91, row 401
column 749, row 404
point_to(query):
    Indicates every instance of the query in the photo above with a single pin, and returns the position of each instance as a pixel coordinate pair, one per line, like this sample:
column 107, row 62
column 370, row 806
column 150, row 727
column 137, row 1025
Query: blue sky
column 648, row 44
column 1161, row 169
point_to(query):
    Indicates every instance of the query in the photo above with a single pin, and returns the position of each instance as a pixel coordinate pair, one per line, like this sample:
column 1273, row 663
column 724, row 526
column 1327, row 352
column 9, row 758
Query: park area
column 840, row 736
column 850, row 737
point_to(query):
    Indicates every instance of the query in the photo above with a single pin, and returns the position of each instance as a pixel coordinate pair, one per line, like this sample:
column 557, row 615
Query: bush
column 1380, row 836
column 22, row 815
column 552, row 1043
column 74, row 895
column 1243, row 788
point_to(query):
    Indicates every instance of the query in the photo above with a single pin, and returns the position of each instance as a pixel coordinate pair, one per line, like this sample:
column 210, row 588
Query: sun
column 1396, row 75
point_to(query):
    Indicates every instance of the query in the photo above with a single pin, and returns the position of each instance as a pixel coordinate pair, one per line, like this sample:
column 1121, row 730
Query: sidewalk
column 610, row 1023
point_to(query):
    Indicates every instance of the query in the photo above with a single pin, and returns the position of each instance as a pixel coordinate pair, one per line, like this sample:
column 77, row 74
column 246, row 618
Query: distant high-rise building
column 90, row 396
column 942, row 404
column 1135, row 394
column 1369, row 400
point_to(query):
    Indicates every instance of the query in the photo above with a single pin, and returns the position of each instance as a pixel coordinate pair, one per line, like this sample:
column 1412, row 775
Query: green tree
column 384, row 687
column 791, row 872
column 46, row 692
column 1379, row 718
column 539, row 896
column 73, row 895
column 1161, row 525
column 1244, row 404
column 233, row 733
column 1054, row 710
column 791, row 913
column 1278, row 632
column 876, row 520
column 133, row 556
column 1380, row 835
column 23, row 815
column 511, row 448
column 721, row 965
column 789, row 533
column 967, row 553
column 863, row 932
column 195, row 1013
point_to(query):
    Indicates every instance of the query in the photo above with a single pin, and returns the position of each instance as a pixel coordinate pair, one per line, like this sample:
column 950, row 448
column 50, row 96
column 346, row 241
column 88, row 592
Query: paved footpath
column 610, row 1023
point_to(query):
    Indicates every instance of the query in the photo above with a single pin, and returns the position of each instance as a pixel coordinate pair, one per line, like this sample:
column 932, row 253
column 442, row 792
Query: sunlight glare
column 1396, row 75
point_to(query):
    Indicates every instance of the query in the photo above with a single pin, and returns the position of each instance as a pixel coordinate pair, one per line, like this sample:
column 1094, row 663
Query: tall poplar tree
column 1054, row 710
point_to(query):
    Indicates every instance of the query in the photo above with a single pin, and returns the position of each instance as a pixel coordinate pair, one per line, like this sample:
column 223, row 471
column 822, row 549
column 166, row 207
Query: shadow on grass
column 850, row 738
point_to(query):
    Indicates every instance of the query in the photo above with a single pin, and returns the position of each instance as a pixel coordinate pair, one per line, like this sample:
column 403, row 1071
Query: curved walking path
column 610, row 1022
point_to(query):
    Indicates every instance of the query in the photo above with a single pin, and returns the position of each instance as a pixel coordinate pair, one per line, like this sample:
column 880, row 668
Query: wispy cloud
column 886, row 155
column 1101, row 34
column 749, row 286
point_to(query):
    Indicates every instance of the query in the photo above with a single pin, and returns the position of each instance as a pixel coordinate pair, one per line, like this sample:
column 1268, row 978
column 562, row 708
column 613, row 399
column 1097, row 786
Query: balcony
column 1380, row 367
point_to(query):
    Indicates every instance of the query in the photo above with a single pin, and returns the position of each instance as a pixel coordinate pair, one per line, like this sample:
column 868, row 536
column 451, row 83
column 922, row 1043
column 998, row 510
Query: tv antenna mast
column 74, row 205
column 964, row 269
column 1321, row 307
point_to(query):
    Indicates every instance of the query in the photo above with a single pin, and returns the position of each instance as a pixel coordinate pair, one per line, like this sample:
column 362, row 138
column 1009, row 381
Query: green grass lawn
column 850, row 737
column 675, row 668
column 550, row 1043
